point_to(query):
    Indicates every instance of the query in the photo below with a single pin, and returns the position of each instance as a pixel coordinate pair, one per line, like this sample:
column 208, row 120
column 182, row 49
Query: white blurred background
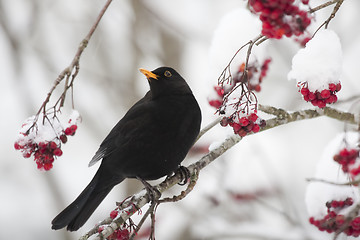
column 38, row 39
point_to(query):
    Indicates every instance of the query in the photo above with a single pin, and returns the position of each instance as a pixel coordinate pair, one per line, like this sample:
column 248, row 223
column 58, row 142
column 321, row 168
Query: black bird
column 149, row 142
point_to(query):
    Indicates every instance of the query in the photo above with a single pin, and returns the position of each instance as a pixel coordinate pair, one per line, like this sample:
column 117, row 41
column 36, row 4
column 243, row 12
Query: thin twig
column 324, row 5
column 73, row 67
column 333, row 183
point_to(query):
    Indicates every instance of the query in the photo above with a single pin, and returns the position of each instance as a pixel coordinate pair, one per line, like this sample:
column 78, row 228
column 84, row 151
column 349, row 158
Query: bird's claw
column 185, row 175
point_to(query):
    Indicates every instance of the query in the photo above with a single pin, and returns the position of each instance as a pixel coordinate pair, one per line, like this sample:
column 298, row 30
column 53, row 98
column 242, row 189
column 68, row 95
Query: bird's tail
column 79, row 211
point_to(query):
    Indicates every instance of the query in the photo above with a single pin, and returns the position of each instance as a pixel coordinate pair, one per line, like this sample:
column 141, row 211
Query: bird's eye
column 167, row 74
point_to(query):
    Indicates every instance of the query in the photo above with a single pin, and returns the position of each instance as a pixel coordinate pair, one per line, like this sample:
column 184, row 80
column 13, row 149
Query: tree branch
column 282, row 117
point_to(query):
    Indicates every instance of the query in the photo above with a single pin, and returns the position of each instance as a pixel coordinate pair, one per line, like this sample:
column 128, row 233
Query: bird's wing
column 109, row 143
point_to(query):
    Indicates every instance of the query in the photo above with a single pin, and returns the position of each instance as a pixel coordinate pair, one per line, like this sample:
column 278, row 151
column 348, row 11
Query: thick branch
column 138, row 200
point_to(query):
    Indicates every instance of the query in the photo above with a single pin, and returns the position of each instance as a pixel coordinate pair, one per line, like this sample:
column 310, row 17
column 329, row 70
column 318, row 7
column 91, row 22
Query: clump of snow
column 38, row 128
column 319, row 63
column 318, row 193
column 75, row 118
column 234, row 30
column 214, row 145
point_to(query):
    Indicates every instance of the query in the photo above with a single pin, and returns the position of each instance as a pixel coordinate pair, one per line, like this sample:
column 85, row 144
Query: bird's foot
column 153, row 193
column 185, row 175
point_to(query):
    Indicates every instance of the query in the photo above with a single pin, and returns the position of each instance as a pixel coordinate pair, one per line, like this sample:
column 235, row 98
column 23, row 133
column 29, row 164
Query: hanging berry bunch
column 334, row 221
column 340, row 213
column 281, row 17
column 42, row 137
column 320, row 98
column 239, row 108
column 349, row 160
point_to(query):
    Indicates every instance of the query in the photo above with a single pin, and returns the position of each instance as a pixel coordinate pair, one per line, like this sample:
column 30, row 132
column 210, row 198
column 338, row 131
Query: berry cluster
column 244, row 125
column 347, row 158
column 320, row 98
column 44, row 152
column 118, row 234
column 281, row 17
column 255, row 74
column 42, row 137
column 333, row 221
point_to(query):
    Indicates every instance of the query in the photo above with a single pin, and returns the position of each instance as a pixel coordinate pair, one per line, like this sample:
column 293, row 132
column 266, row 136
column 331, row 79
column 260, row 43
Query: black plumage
column 149, row 142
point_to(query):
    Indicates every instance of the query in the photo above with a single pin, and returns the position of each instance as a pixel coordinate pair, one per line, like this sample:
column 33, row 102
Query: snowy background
column 38, row 39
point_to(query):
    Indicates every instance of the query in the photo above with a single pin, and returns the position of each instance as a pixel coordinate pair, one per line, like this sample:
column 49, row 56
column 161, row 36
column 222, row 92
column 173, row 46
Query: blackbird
column 149, row 142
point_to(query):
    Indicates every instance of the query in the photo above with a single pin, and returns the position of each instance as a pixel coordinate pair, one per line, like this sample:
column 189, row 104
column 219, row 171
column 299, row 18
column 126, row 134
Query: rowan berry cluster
column 333, row 221
column 320, row 98
column 255, row 74
column 281, row 17
column 43, row 138
column 347, row 159
column 244, row 125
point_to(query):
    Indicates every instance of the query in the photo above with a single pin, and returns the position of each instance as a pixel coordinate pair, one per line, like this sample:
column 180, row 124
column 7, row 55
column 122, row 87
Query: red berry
column 334, row 204
column 253, row 117
column 48, row 166
column 242, row 133
column 257, row 88
column 304, row 91
column 325, row 94
column 344, row 153
column 68, row 131
column 332, row 87
column 17, row 146
column 321, row 103
column 311, row 96
column 63, row 138
column 27, row 154
column 349, row 201
column 52, row 145
column 244, row 121
column 73, row 127
column 219, row 90
column 338, row 87
column 58, row 152
column 213, row 103
column 224, row 121
column 332, row 99
column 43, row 145
column 256, row 128
column 236, row 127
column 113, row 214
column 356, row 223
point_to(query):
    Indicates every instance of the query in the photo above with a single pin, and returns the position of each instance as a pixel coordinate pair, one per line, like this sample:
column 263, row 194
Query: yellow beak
column 149, row 74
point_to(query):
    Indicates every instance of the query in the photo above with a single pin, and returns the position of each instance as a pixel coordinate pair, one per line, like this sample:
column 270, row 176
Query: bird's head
column 165, row 81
